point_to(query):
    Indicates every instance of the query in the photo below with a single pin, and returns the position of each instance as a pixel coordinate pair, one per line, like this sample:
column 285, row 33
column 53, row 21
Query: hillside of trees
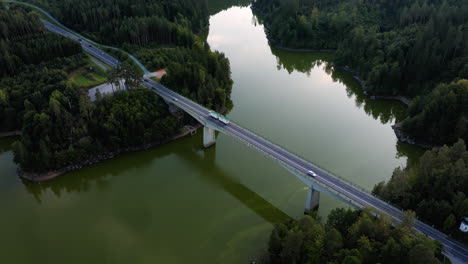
column 33, row 63
column 441, row 116
column 350, row 237
column 197, row 73
column 139, row 22
column 397, row 47
column 73, row 129
column 436, row 188
column 23, row 42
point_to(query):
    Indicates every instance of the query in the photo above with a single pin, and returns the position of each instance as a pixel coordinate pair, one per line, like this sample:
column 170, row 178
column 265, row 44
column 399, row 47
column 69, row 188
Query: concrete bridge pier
column 313, row 199
column 209, row 138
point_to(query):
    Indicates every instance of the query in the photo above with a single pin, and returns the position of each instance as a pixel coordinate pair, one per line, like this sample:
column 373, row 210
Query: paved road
column 340, row 187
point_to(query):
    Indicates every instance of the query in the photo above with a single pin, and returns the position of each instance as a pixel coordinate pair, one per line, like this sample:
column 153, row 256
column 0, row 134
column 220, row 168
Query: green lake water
column 180, row 203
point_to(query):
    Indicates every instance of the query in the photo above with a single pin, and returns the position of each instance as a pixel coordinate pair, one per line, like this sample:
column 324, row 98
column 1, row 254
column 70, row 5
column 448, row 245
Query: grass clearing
column 88, row 76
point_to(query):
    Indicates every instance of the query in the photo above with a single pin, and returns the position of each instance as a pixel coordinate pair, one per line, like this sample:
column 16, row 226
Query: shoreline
column 405, row 138
column 301, row 50
column 46, row 176
column 400, row 98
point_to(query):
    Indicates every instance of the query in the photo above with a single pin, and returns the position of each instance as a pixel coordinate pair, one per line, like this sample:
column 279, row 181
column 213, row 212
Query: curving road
column 345, row 190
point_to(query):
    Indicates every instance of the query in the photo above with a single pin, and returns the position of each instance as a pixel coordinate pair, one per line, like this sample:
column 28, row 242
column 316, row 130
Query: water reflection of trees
column 216, row 6
column 384, row 110
column 100, row 176
column 6, row 144
column 413, row 153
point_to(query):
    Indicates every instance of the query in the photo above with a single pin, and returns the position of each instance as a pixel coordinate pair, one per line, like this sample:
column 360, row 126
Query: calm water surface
column 179, row 203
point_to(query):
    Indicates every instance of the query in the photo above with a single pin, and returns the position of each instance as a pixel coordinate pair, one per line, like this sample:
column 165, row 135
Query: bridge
column 319, row 181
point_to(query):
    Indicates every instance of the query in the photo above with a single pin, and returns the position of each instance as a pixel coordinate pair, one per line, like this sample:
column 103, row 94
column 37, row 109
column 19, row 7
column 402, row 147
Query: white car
column 311, row 173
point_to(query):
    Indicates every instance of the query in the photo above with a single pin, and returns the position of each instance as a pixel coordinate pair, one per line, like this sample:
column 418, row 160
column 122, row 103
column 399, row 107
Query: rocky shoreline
column 361, row 82
column 41, row 177
column 402, row 137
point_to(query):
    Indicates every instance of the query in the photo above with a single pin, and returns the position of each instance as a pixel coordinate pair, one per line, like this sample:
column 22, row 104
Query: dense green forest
column 206, row 74
column 137, row 22
column 396, row 47
column 23, row 42
column 89, row 129
column 33, row 64
column 350, row 237
column 441, row 116
column 436, row 188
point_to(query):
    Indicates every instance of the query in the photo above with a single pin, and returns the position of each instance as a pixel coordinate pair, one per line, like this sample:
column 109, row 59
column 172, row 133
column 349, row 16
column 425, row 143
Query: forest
column 436, row 188
column 441, row 116
column 140, row 22
column 28, row 77
column 350, row 237
column 73, row 129
column 397, row 47
column 23, row 41
column 60, row 125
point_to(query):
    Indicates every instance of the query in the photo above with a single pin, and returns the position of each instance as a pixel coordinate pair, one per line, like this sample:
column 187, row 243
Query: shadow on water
column 189, row 149
column 220, row 178
column 386, row 111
